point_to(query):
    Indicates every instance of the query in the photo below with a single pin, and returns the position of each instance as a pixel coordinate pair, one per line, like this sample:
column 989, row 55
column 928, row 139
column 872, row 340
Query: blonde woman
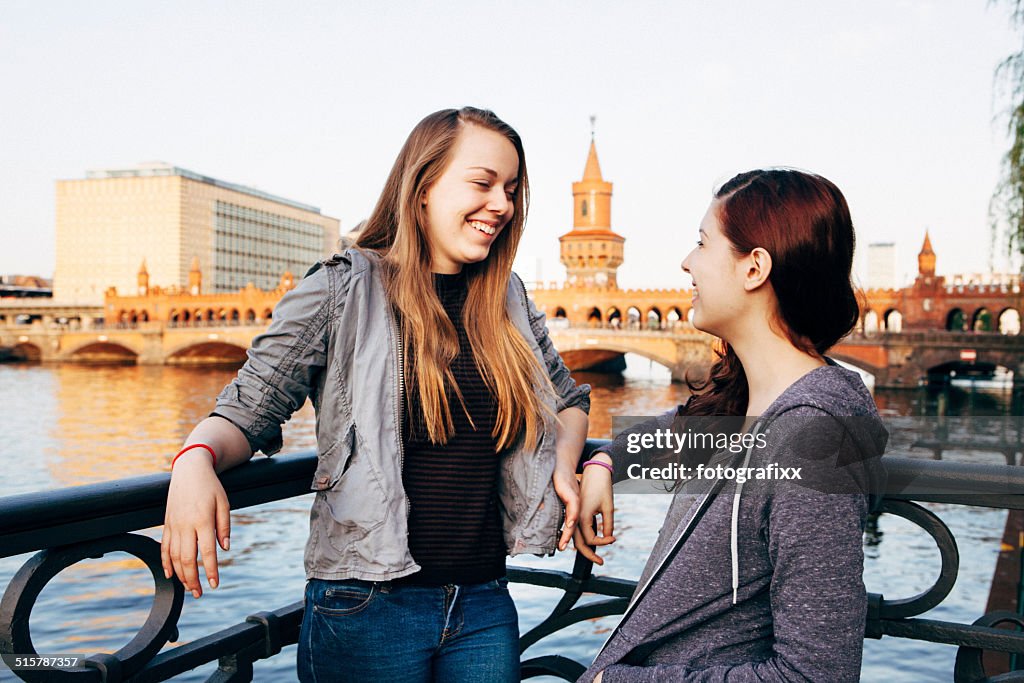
column 448, row 428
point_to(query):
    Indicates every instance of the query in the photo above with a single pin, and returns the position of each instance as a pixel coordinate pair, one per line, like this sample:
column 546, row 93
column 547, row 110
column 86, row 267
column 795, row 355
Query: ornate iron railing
column 68, row 525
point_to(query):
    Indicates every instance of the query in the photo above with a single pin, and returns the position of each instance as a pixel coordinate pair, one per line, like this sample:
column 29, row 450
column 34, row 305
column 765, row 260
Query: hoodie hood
column 825, row 420
column 830, row 392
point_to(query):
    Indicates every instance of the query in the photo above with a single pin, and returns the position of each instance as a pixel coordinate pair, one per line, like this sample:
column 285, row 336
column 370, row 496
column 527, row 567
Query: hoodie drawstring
column 734, row 553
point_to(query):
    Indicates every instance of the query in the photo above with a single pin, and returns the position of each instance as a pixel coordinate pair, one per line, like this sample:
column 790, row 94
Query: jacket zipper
column 400, row 394
column 526, row 307
column 674, row 549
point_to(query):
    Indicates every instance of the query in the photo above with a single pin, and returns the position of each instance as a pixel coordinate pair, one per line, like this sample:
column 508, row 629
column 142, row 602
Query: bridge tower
column 591, row 252
column 921, row 307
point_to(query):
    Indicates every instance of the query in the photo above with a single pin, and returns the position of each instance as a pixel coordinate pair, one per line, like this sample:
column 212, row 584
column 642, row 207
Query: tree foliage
column 1007, row 205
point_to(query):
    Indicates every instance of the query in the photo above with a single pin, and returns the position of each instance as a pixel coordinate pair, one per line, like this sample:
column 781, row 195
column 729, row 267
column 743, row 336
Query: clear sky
column 892, row 99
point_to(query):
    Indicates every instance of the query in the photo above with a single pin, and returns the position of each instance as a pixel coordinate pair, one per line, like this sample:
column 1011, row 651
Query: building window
column 258, row 246
column 583, row 208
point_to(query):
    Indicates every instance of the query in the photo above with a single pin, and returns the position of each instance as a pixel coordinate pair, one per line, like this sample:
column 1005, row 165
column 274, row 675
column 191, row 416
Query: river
column 65, row 425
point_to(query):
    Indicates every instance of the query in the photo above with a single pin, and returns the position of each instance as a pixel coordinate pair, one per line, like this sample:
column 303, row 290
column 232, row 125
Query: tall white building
column 111, row 221
column 882, row 265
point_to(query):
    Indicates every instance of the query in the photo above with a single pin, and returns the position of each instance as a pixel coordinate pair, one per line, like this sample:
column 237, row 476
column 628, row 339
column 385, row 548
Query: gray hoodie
column 762, row 580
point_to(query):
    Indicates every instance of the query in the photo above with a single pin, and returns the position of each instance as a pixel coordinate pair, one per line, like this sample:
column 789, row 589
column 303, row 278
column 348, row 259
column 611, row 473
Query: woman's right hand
column 197, row 518
column 595, row 499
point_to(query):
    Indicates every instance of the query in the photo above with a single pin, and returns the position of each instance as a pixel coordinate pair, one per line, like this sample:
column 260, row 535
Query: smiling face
column 719, row 296
column 469, row 205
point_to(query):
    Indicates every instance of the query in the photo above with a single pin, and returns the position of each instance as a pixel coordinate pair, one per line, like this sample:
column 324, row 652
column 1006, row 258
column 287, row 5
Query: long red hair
column 803, row 221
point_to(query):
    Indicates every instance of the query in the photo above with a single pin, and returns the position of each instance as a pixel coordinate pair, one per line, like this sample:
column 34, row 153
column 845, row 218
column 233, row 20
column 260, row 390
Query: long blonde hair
column 397, row 230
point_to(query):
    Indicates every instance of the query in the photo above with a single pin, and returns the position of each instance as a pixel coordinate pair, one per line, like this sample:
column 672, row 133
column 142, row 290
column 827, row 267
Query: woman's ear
column 759, row 267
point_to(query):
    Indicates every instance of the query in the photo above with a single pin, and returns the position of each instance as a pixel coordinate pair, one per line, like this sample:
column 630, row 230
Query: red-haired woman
column 756, row 576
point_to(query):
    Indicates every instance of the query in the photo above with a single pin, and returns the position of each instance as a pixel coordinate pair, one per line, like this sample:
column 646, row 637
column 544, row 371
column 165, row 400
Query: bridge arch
column 871, row 322
column 206, row 353
column 956, row 321
column 560, row 313
column 633, row 316
column 858, row 363
column 615, row 346
column 614, row 316
column 27, row 351
column 674, row 316
column 1009, row 321
column 982, row 320
column 653, row 318
column 268, row 314
column 594, row 316
column 892, row 320
column 250, row 317
column 103, row 352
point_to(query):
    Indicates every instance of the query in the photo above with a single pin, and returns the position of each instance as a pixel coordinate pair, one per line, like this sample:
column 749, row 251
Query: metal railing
column 68, row 525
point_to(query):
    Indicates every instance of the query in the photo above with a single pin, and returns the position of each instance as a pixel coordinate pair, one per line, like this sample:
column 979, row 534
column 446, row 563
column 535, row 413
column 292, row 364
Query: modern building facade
column 882, row 265
column 112, row 220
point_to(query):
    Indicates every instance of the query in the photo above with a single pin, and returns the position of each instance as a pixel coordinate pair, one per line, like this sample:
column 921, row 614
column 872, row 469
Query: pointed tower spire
column 926, row 257
column 926, row 248
column 592, row 171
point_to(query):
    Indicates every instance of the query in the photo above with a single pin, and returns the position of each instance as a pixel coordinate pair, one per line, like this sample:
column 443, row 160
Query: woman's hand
column 197, row 514
column 568, row 490
column 595, row 499
column 570, row 437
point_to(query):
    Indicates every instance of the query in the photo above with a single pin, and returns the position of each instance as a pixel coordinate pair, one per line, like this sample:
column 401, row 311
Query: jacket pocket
column 344, row 600
column 332, row 463
column 354, row 496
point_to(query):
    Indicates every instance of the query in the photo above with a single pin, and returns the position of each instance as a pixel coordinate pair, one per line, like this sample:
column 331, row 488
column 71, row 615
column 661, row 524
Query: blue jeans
column 370, row 631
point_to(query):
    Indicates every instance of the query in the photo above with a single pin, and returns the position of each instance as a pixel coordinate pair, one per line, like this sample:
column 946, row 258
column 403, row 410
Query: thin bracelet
column 602, row 464
column 195, row 445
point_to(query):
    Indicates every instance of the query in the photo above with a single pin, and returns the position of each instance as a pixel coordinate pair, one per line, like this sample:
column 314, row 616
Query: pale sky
column 893, row 100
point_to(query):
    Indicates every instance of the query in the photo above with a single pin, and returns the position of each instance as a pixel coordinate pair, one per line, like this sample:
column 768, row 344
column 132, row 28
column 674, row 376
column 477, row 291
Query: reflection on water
column 69, row 425
column 65, row 618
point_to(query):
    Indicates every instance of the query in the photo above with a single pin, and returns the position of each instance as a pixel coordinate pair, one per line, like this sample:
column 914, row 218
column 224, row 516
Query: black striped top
column 455, row 531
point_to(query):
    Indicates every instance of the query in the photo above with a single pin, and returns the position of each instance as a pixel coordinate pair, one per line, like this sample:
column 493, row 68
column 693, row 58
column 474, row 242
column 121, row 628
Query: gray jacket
column 335, row 339
column 763, row 581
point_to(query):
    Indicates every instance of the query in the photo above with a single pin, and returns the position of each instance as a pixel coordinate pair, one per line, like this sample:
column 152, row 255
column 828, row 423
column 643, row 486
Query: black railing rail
column 70, row 524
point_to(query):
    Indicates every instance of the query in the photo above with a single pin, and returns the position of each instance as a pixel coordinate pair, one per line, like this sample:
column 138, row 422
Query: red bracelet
column 195, row 445
column 602, row 464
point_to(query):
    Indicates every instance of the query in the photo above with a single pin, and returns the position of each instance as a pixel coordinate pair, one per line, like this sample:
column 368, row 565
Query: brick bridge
column 147, row 343
column 895, row 359
column 938, row 324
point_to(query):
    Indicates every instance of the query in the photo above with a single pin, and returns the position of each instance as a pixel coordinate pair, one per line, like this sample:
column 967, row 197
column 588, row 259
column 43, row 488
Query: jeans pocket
column 343, row 598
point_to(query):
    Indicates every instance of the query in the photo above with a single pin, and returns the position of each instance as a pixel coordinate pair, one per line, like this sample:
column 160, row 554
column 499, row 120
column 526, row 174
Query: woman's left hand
column 568, row 489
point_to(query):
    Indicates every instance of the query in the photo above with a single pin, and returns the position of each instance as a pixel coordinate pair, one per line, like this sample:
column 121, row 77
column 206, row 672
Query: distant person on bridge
column 750, row 579
column 448, row 428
